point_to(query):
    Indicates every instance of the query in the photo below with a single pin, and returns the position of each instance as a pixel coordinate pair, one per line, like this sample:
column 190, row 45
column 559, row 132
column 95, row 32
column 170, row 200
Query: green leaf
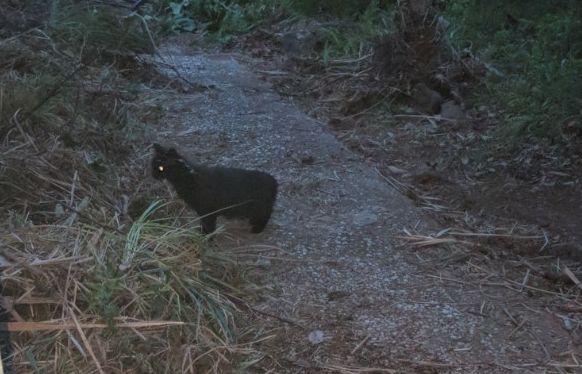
column 176, row 8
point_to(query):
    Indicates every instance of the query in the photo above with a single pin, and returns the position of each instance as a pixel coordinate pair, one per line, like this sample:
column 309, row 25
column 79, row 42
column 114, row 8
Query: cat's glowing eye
column 160, row 168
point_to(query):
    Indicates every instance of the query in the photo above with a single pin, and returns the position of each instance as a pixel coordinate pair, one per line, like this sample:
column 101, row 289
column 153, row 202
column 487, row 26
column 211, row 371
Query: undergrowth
column 97, row 275
column 221, row 20
column 90, row 28
column 537, row 47
column 373, row 22
column 359, row 21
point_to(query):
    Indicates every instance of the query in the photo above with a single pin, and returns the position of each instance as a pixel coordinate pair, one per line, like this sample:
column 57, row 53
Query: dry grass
column 480, row 262
column 137, row 299
column 98, row 276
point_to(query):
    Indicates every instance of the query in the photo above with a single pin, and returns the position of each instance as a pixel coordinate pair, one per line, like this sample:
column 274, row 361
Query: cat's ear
column 172, row 153
column 158, row 148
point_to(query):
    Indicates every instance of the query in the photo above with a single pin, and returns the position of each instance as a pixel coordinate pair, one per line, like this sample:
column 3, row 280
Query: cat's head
column 164, row 162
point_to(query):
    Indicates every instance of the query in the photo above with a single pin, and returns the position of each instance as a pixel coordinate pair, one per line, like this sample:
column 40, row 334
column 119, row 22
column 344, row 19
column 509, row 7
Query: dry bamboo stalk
column 51, row 326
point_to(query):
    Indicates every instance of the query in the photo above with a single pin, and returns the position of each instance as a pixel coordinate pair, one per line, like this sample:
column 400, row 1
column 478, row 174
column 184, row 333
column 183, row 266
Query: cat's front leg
column 208, row 224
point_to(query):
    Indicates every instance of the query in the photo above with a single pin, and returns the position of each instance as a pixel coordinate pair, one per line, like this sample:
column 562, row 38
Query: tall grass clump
column 537, row 46
column 92, row 299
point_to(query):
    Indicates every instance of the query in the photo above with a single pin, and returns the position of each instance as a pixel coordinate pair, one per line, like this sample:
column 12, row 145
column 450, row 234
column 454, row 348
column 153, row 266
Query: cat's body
column 215, row 191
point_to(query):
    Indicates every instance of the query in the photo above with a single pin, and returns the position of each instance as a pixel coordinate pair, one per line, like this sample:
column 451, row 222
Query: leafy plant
column 538, row 46
column 178, row 20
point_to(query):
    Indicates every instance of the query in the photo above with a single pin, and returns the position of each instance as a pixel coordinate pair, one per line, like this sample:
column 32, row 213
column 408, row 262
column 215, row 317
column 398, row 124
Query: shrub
column 538, row 45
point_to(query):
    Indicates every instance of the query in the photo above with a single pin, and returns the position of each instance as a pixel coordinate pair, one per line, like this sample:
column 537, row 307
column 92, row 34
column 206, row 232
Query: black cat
column 214, row 191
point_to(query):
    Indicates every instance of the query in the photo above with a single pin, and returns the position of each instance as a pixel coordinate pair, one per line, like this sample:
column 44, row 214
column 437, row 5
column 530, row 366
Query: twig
column 398, row 186
column 572, row 277
column 508, row 284
column 85, row 341
column 92, row 220
column 371, row 106
column 426, row 241
column 360, row 344
column 433, row 364
column 518, row 325
column 496, row 235
column 516, row 329
column 546, row 242
column 353, row 370
column 525, row 279
column 565, row 366
column 438, row 118
column 542, row 345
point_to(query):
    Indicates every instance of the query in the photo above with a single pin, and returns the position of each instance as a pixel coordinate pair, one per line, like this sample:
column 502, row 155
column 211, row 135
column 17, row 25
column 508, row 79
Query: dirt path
column 363, row 298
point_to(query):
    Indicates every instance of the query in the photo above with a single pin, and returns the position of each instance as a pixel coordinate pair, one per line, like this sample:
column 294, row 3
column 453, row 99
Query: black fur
column 215, row 191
